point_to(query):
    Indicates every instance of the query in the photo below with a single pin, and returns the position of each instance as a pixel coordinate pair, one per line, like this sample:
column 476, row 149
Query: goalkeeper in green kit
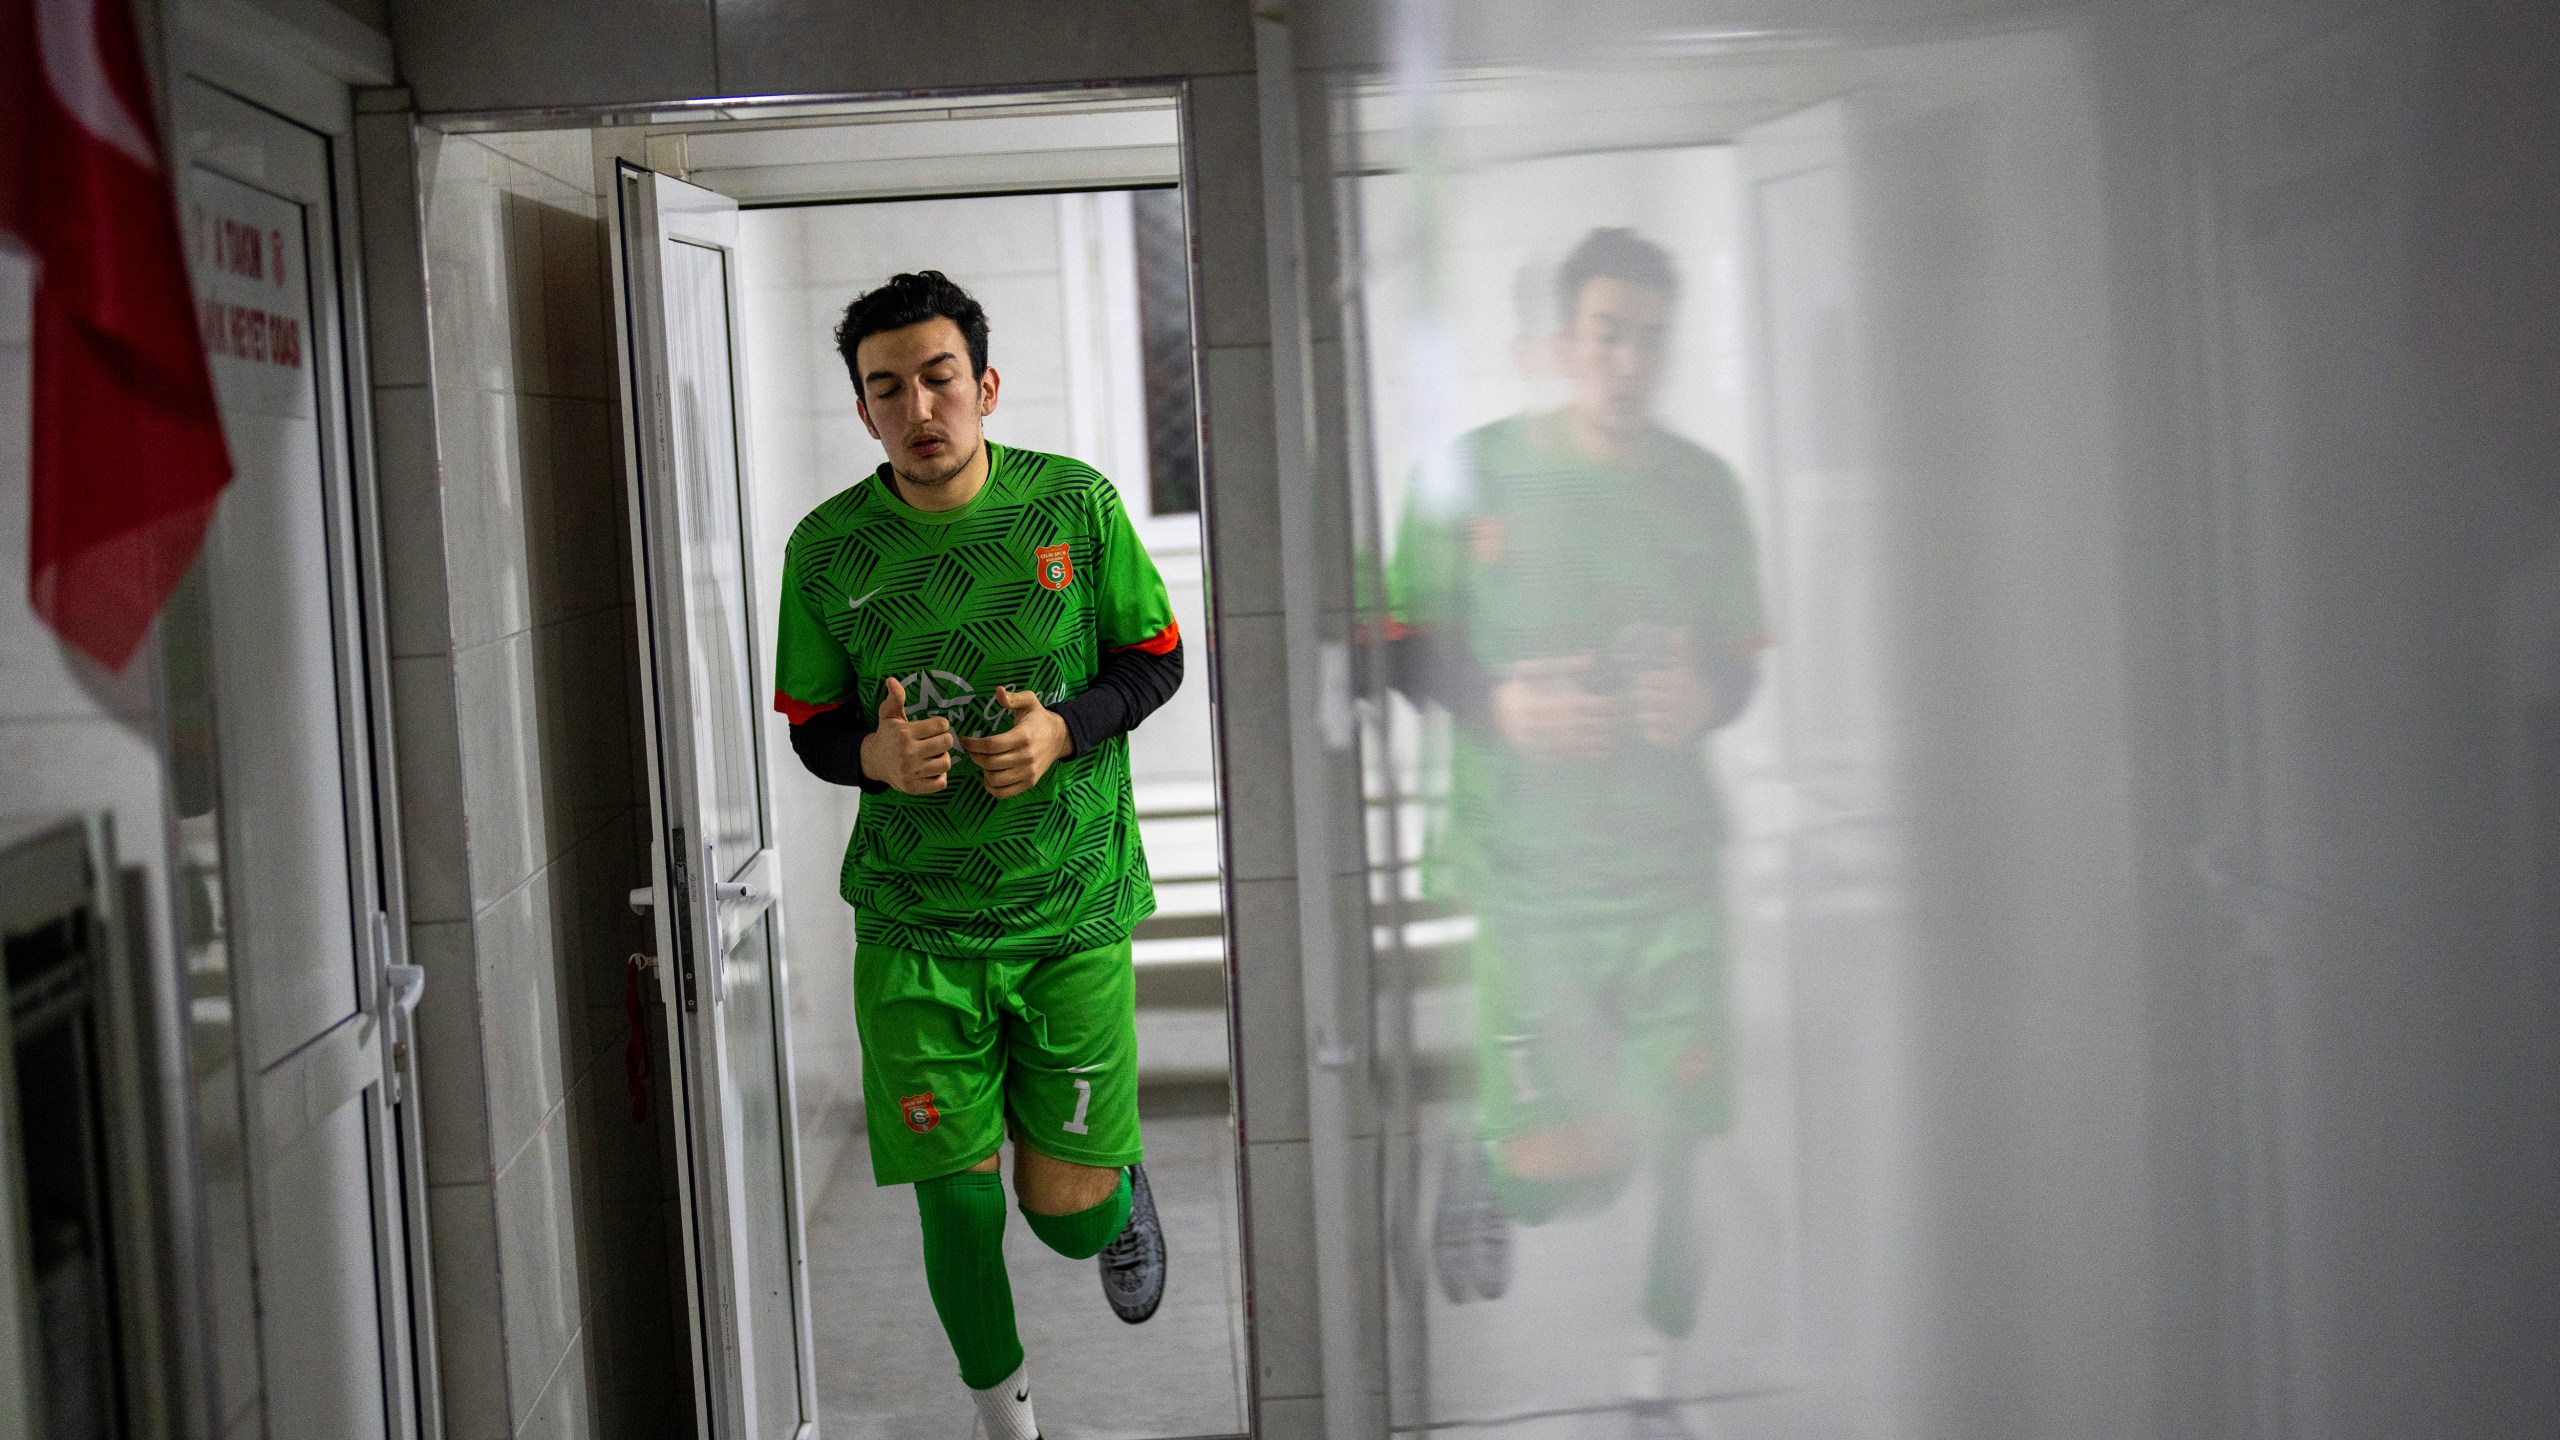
column 1577, row 591
column 968, row 635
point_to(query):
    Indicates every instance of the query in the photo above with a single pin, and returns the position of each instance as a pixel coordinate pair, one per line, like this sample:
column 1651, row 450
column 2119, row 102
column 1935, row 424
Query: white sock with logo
column 1004, row 1411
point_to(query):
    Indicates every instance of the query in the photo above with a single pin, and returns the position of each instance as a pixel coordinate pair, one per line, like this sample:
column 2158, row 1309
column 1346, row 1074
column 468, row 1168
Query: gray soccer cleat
column 1470, row 1236
column 1133, row 1265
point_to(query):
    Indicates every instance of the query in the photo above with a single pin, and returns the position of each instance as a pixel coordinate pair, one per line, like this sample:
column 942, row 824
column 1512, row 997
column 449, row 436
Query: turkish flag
column 126, row 450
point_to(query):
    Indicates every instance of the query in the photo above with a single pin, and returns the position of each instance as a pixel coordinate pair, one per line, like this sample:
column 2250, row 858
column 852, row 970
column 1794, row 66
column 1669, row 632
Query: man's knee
column 1049, row 1186
column 1543, row 1175
column 1074, row 1209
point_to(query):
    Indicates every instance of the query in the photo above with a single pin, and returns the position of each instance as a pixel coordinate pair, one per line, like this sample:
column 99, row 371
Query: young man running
column 1584, row 602
column 969, row 635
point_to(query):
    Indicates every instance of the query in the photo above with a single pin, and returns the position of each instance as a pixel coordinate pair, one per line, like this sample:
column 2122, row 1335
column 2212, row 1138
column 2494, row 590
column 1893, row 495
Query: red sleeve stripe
column 1161, row 644
column 799, row 711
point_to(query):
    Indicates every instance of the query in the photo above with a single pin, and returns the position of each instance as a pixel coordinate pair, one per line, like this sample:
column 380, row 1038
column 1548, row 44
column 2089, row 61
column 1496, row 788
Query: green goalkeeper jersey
column 1026, row 586
column 1545, row 554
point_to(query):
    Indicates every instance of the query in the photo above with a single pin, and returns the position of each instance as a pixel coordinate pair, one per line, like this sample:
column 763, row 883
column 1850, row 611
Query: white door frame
column 363, row 1059
column 703, row 903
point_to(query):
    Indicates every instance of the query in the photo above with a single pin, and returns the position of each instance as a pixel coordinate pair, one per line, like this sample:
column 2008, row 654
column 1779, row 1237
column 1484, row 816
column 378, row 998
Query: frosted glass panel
column 701, row 404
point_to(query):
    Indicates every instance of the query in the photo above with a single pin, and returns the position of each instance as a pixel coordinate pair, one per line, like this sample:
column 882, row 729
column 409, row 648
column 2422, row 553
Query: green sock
column 1082, row 1235
column 963, row 1217
column 1676, row 1270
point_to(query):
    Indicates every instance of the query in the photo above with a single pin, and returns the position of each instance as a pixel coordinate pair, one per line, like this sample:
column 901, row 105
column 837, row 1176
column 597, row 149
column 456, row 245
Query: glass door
column 719, row 933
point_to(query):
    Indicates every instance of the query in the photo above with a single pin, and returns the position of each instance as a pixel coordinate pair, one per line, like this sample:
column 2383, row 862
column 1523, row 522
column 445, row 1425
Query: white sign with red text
column 253, row 295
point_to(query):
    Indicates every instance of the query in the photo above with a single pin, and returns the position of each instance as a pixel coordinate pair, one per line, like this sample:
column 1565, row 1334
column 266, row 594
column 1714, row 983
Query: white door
column 719, row 933
column 297, row 1031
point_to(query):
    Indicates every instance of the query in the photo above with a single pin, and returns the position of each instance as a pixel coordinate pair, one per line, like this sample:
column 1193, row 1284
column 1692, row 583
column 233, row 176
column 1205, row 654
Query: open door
column 718, row 932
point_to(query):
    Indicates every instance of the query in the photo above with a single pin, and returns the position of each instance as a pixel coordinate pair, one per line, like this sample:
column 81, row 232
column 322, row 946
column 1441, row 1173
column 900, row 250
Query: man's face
column 1612, row 351
column 920, row 402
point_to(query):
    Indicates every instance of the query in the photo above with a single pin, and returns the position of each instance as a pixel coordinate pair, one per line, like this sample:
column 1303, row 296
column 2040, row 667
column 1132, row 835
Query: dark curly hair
column 911, row 300
column 1617, row 253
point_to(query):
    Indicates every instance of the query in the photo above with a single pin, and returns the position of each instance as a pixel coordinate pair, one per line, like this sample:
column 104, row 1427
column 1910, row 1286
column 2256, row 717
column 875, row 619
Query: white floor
column 885, row 1371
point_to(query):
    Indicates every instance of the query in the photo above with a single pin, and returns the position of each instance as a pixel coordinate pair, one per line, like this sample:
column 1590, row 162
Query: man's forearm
column 1434, row 666
column 1733, row 675
column 829, row 745
column 1129, row 687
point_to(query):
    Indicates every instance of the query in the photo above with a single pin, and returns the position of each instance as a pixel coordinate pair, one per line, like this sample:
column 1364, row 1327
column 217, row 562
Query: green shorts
column 1582, row 1023
column 954, row 1048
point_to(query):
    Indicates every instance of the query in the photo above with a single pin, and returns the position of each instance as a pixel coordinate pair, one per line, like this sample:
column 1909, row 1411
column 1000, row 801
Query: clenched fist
column 1675, row 706
column 911, row 755
column 1015, row 760
column 1542, row 709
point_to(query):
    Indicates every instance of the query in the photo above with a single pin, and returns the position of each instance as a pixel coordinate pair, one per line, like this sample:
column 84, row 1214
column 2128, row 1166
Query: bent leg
column 1071, row 1089
column 1544, row 1174
column 1074, row 1209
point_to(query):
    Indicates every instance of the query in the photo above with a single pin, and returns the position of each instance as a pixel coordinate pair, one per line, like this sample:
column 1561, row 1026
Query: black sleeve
column 1127, row 689
column 829, row 745
column 1433, row 666
column 1734, row 675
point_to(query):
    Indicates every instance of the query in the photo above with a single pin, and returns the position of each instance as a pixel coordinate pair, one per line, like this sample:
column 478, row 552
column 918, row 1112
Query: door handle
column 408, row 983
column 402, row 987
column 643, row 899
column 728, row 890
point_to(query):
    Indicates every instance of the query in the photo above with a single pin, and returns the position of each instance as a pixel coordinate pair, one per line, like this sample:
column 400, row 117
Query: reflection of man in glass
column 1582, row 598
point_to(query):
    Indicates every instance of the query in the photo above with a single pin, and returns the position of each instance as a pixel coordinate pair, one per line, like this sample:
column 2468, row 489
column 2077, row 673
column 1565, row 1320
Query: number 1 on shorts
column 1084, row 1101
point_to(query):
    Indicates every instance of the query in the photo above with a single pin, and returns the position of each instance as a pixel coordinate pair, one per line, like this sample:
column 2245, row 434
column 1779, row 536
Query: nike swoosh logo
column 1019, row 1396
column 856, row 605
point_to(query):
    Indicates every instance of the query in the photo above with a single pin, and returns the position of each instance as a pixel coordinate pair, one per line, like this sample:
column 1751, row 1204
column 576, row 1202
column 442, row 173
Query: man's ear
column 862, row 408
column 987, row 391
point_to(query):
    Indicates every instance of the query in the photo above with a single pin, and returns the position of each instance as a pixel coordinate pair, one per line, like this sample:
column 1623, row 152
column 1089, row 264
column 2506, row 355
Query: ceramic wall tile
column 395, row 289
column 1271, row 1006
column 1242, row 481
column 452, row 1088
column 409, row 479
column 1280, row 1219
column 503, row 767
column 538, row 1255
column 470, row 1343
column 525, row 1051
column 485, row 441
column 435, row 850
column 1253, row 719
column 501, row 54
column 1225, row 127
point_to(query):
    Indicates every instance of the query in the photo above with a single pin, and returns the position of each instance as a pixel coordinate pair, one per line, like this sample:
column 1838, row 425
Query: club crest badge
column 1055, row 566
column 918, row 1112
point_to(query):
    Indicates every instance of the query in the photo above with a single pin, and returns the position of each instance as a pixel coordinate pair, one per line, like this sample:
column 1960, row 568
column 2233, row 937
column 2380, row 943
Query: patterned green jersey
column 1026, row 586
column 1551, row 555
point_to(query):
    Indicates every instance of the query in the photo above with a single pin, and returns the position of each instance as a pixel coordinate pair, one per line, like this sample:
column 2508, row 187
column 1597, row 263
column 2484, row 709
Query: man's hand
column 911, row 755
column 1541, row 708
column 1015, row 760
column 1674, row 706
